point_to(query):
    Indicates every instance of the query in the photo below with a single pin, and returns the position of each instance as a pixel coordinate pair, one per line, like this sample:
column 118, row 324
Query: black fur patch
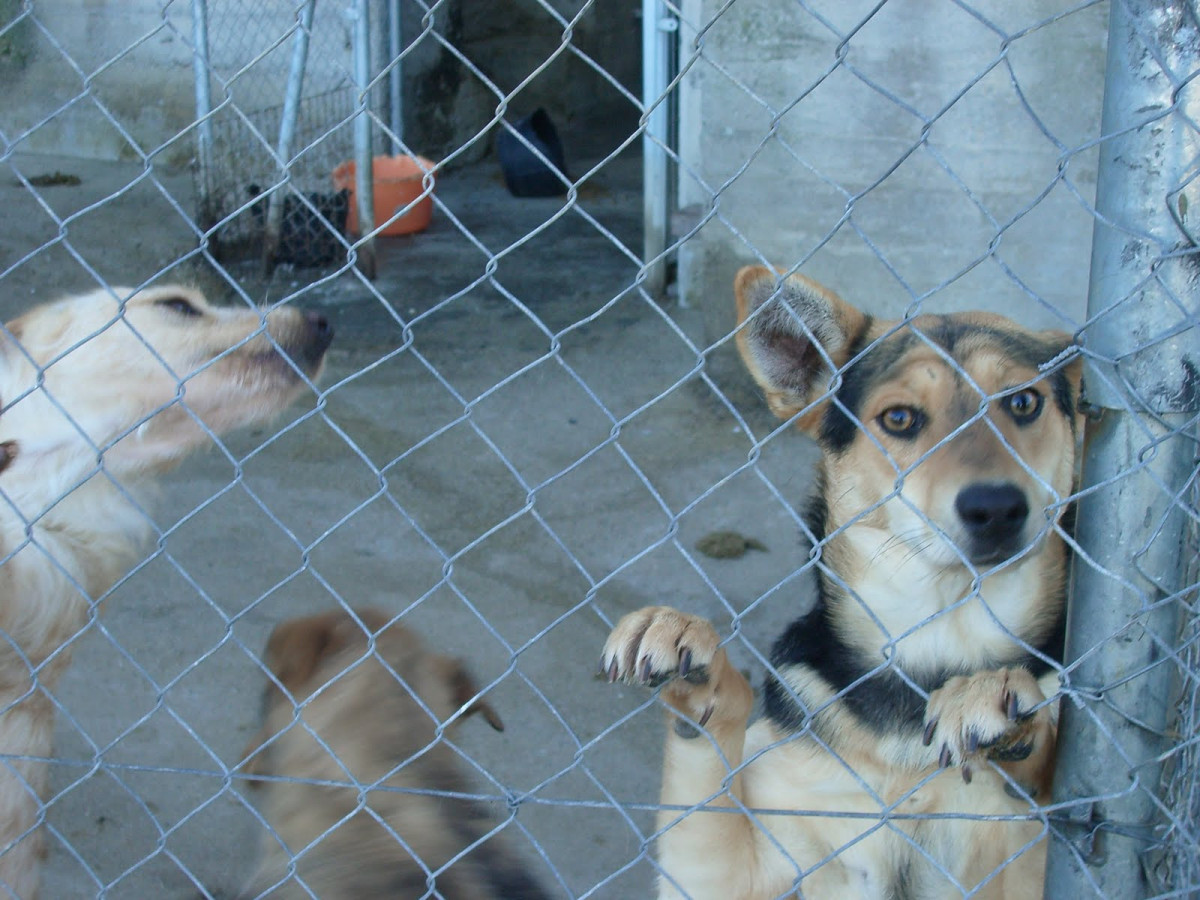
column 884, row 702
column 308, row 238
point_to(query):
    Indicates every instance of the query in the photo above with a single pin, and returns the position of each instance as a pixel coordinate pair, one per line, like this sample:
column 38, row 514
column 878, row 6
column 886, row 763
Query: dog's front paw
column 658, row 645
column 998, row 715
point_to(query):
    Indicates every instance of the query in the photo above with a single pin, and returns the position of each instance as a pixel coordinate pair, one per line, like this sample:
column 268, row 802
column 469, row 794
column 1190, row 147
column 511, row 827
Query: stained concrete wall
column 944, row 158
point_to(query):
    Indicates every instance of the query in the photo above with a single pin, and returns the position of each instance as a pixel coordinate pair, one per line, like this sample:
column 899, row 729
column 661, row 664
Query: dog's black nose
column 993, row 514
column 322, row 332
column 307, row 348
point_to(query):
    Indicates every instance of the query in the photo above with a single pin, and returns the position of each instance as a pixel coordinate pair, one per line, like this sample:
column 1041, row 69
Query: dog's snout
column 993, row 514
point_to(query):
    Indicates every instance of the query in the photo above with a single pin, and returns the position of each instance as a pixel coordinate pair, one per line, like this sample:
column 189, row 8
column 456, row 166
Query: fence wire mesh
column 514, row 443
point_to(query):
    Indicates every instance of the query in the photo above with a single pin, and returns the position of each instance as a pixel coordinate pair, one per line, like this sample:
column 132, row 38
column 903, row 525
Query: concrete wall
column 135, row 66
column 891, row 175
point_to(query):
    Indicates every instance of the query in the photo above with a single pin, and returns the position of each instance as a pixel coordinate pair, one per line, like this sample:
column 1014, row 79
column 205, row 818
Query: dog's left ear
column 296, row 646
column 465, row 691
column 793, row 335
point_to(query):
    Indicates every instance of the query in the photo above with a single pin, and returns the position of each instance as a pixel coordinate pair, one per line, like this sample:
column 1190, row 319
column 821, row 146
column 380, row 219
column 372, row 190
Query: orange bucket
column 398, row 183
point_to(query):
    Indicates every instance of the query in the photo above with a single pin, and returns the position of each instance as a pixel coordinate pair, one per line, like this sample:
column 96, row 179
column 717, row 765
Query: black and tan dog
column 948, row 459
column 363, row 716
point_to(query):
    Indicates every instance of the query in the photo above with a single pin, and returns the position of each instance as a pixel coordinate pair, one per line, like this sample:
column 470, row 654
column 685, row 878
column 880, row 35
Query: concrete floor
column 535, row 456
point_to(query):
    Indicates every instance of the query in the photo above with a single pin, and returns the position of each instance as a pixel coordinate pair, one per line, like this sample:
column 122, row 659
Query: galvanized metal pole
column 1142, row 345
column 395, row 78
column 287, row 132
column 208, row 212
column 364, row 181
column 658, row 28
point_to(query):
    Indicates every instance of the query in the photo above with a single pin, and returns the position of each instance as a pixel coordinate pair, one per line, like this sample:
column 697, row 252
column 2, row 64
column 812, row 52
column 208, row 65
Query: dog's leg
column 26, row 730
column 702, row 854
column 1001, row 715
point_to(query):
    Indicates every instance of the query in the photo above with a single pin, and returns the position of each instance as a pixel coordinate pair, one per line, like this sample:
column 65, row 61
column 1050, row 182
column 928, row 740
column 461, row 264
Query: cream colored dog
column 101, row 392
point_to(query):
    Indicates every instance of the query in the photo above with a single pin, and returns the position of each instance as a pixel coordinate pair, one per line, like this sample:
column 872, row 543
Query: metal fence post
column 364, row 157
column 1142, row 345
column 395, row 76
column 207, row 213
column 287, row 133
column 659, row 27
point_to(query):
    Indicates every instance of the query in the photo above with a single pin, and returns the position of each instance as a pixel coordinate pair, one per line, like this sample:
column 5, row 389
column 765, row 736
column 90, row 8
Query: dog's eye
column 1024, row 406
column 180, row 305
column 901, row 421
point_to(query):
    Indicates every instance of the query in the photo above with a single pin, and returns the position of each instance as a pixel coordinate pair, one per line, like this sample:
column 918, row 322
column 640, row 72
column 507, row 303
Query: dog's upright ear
column 792, row 335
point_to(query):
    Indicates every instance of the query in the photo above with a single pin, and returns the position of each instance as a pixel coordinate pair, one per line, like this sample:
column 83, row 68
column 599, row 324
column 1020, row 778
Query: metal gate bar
column 1140, row 457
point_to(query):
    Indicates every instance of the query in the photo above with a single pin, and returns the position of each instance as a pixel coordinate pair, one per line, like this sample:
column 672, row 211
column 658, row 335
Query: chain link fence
column 518, row 438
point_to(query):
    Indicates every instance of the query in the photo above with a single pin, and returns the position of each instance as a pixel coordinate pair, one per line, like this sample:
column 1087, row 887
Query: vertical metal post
column 395, row 78
column 658, row 30
column 287, row 132
column 364, row 181
column 208, row 212
column 1142, row 340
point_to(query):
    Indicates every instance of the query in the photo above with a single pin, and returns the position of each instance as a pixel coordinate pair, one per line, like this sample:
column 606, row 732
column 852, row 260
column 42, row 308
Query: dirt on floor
column 513, row 445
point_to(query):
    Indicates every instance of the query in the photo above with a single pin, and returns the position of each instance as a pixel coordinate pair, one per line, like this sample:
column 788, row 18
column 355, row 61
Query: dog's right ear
column 792, row 335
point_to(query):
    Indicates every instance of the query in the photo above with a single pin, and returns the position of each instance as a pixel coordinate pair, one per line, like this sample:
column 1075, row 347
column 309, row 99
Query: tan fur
column 365, row 706
column 869, row 810
column 91, row 395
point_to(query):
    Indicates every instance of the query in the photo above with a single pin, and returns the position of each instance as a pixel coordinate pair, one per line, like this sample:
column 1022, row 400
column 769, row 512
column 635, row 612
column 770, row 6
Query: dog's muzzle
column 993, row 518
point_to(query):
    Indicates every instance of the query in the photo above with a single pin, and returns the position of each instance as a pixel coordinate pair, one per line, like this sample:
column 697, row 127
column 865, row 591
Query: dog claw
column 944, row 756
column 1011, row 707
column 611, row 673
column 644, row 670
column 685, row 662
column 972, row 741
column 966, row 774
column 927, row 737
column 706, row 716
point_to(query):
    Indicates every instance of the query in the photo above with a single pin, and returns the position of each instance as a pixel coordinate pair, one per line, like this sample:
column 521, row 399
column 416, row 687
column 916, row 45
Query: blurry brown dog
column 103, row 391
column 363, row 796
